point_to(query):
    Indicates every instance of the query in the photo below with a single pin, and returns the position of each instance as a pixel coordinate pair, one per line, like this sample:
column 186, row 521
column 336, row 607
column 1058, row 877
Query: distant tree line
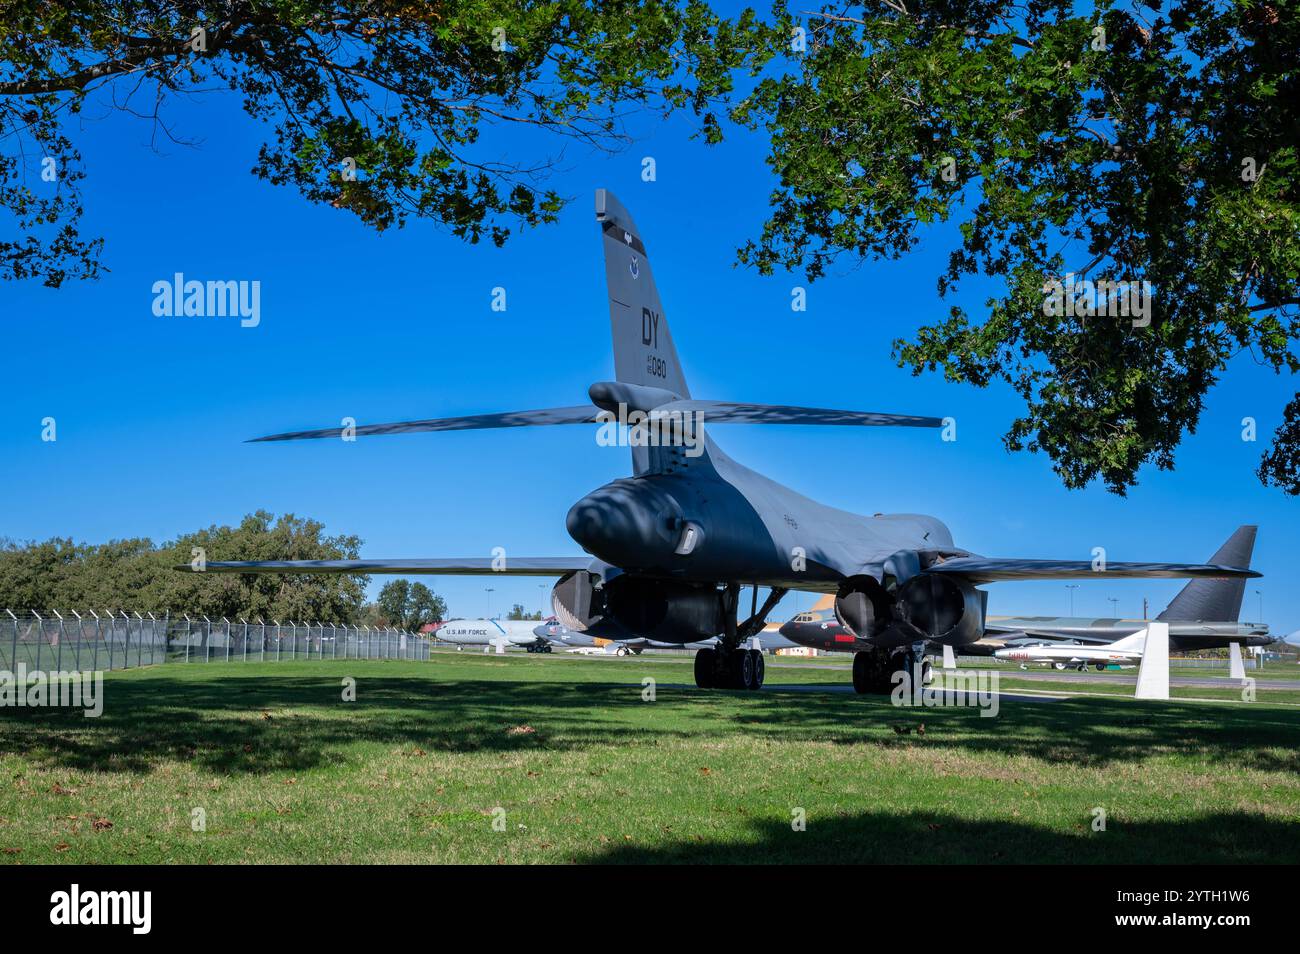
column 406, row 605
column 138, row 575
column 518, row 612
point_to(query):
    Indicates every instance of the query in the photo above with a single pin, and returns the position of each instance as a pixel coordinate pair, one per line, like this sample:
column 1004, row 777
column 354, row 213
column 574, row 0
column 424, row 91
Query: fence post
column 40, row 626
column 112, row 635
column 98, row 638
column 227, row 622
column 58, row 656
column 262, row 622
column 277, row 639
column 112, row 631
column 78, row 662
column 153, row 638
column 189, row 626
column 245, row 622
column 13, row 659
column 334, row 640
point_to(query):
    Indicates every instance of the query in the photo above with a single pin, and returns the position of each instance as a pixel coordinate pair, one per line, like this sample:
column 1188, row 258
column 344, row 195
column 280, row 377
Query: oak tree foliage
column 1116, row 141
column 377, row 107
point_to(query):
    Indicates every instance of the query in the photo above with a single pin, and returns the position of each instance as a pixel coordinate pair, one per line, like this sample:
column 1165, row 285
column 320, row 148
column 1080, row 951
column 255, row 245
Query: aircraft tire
column 1059, row 667
column 760, row 668
column 1100, row 667
column 740, row 670
column 862, row 673
column 704, row 668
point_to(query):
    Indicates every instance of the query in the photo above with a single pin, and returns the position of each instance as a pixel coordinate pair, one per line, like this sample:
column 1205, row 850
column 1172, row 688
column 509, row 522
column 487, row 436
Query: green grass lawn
column 585, row 770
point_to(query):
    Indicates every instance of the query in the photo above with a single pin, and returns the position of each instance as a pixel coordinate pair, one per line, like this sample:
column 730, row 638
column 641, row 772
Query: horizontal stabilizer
column 986, row 570
column 578, row 414
column 469, row 566
column 729, row 412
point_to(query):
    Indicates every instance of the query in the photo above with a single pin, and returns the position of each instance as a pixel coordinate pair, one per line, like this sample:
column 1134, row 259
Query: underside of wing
column 1017, row 632
column 990, row 570
column 577, row 414
column 469, row 566
column 731, row 412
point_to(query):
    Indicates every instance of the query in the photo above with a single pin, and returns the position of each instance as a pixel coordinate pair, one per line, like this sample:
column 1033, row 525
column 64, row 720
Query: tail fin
column 643, row 346
column 1133, row 641
column 1216, row 600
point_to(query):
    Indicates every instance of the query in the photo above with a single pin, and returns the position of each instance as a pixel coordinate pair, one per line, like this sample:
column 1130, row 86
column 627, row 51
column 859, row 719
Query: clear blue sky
column 152, row 411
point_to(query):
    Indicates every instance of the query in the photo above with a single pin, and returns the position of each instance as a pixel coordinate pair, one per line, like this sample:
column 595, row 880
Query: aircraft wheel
column 740, row 668
column 760, row 668
column 1100, row 667
column 621, row 651
column 548, row 648
column 1059, row 667
column 864, row 673
column 704, row 666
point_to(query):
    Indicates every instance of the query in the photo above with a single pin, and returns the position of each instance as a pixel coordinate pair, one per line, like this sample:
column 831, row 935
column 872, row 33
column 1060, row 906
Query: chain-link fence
column 121, row 641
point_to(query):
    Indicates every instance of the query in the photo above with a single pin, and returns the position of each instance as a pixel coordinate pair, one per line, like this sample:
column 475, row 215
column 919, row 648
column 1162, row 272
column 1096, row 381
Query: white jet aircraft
column 1126, row 651
column 493, row 634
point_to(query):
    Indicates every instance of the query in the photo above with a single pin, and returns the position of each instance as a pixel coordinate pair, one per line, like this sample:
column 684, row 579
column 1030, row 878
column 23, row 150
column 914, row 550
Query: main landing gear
column 728, row 666
column 538, row 647
column 874, row 669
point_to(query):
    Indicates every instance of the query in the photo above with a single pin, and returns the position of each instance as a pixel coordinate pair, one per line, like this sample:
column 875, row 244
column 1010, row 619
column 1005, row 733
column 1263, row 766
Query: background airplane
column 1126, row 651
column 491, row 633
column 669, row 548
column 769, row 639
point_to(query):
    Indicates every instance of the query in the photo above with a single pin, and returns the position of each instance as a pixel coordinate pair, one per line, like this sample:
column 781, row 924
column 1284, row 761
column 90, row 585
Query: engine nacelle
column 664, row 610
column 862, row 606
column 940, row 608
column 578, row 601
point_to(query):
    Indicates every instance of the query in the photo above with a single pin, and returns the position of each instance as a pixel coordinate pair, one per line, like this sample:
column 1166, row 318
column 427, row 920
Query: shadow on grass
column 279, row 720
column 939, row 838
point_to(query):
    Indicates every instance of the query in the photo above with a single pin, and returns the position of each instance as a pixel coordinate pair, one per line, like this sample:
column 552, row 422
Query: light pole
column 1071, row 587
column 1261, row 606
column 541, row 603
column 489, row 591
column 1114, row 606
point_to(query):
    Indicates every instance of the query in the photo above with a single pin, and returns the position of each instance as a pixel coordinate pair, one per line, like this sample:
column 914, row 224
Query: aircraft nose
column 626, row 524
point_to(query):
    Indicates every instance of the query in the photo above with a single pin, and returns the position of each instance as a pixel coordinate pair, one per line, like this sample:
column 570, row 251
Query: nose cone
column 629, row 523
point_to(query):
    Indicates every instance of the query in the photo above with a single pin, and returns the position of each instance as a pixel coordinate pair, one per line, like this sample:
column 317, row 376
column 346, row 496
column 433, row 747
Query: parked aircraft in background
column 668, row 550
column 769, row 639
column 491, row 633
column 1126, row 651
column 1202, row 616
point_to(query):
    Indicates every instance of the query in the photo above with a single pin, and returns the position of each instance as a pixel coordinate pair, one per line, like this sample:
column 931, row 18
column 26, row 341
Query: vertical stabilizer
column 1216, row 600
column 643, row 346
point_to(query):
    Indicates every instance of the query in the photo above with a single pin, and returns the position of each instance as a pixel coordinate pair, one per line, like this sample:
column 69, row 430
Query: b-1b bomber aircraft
column 668, row 549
